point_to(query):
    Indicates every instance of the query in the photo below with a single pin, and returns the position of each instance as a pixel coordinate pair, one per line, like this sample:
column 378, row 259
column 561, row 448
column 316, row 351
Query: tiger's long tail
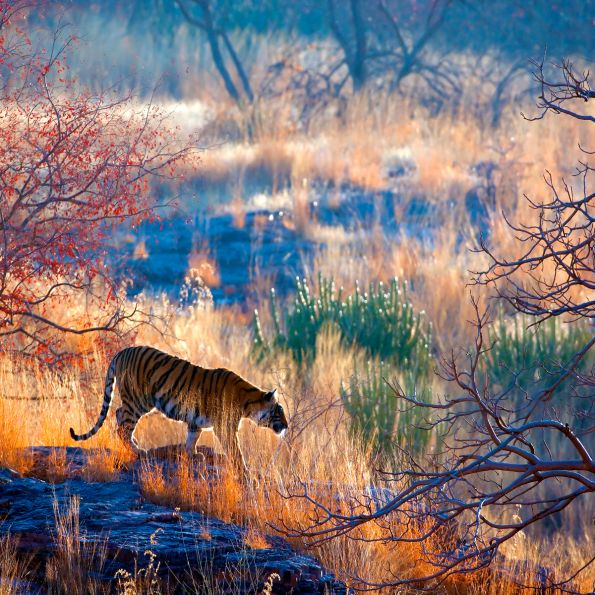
column 110, row 380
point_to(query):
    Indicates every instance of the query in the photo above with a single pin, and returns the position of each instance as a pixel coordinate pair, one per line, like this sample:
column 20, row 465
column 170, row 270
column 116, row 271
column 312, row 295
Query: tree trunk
column 216, row 53
column 358, row 62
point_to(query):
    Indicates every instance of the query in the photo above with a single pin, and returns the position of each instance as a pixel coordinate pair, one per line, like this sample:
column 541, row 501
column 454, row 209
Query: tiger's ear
column 269, row 396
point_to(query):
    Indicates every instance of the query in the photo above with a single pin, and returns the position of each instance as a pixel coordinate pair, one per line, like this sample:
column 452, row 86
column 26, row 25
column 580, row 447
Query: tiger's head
column 271, row 414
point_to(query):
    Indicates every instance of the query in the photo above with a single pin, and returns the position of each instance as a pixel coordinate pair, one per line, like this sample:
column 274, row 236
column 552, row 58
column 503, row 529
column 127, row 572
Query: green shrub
column 525, row 357
column 381, row 420
column 380, row 320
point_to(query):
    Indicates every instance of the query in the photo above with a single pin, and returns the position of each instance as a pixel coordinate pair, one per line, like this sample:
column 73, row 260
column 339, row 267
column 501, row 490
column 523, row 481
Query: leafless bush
column 497, row 471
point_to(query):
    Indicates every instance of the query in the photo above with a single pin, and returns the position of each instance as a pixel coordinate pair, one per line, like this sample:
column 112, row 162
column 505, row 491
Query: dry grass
column 361, row 140
column 71, row 569
column 14, row 569
column 439, row 276
column 261, row 507
column 315, row 452
column 256, row 540
column 357, row 143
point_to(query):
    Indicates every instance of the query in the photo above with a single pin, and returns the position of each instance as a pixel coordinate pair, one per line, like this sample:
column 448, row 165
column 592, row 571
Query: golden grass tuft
column 255, row 540
column 104, row 464
column 201, row 263
column 71, row 568
column 14, row 568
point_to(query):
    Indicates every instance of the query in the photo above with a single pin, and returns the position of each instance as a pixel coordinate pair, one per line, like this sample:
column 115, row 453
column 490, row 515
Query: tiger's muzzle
column 279, row 428
column 278, row 421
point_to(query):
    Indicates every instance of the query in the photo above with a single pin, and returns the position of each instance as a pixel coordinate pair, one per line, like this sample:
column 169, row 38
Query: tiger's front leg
column 235, row 456
column 194, row 433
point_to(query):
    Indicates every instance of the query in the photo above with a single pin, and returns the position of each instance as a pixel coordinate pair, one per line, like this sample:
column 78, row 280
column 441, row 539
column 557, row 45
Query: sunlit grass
column 360, row 144
column 314, row 452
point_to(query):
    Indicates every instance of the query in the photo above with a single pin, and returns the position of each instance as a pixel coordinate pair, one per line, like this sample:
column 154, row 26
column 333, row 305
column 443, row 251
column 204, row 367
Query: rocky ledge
column 121, row 532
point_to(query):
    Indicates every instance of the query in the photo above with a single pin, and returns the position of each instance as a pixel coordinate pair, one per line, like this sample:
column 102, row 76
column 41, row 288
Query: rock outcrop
column 190, row 552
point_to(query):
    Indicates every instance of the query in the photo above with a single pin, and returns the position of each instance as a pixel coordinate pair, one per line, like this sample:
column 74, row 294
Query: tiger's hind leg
column 127, row 420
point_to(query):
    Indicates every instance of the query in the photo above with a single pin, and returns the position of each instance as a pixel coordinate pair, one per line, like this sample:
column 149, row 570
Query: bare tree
column 554, row 274
column 410, row 48
column 353, row 40
column 498, row 456
column 555, row 95
column 206, row 22
column 375, row 40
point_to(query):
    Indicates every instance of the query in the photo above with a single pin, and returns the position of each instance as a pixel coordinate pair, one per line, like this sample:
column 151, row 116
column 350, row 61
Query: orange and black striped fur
column 203, row 398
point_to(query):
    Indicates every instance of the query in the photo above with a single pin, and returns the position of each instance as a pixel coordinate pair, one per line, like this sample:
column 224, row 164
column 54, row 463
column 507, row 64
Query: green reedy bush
column 380, row 320
column 381, row 420
column 525, row 357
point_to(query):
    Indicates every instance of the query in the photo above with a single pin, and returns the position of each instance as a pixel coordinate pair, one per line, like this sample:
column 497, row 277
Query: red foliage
column 72, row 166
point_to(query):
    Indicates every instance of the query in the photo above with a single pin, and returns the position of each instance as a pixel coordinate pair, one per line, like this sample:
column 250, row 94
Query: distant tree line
column 511, row 26
column 387, row 44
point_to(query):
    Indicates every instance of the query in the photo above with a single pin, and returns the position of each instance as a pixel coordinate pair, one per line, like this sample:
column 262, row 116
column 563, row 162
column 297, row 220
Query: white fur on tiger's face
column 271, row 416
column 203, row 398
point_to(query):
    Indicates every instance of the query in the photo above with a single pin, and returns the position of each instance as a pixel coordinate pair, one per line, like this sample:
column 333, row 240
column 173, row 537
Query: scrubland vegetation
column 323, row 443
column 355, row 346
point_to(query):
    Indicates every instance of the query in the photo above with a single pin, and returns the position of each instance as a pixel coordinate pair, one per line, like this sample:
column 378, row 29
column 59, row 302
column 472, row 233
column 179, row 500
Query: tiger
column 203, row 398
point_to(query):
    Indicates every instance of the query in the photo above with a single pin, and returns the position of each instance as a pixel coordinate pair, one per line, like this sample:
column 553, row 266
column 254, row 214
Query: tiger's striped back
column 218, row 398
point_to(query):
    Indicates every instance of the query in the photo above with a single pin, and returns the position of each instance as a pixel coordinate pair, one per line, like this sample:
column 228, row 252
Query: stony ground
column 194, row 553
